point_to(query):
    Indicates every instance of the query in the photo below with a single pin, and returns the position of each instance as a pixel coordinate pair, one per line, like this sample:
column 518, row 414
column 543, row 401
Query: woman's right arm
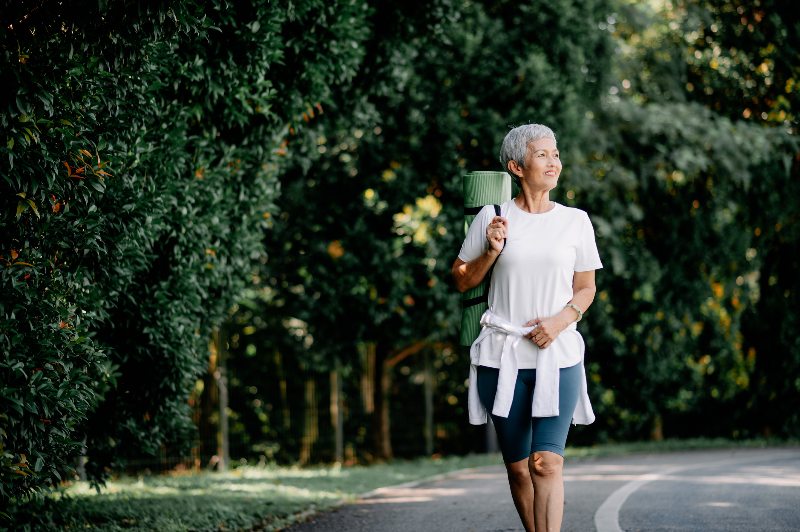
column 469, row 274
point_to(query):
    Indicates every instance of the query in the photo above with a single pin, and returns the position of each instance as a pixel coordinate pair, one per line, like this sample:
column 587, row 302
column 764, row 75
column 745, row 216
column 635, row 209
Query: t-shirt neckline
column 556, row 206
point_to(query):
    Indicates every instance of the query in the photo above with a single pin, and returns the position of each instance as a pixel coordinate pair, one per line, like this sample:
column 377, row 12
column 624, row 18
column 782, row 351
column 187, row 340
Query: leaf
column 21, row 207
column 33, row 206
column 16, row 404
column 97, row 185
column 10, row 144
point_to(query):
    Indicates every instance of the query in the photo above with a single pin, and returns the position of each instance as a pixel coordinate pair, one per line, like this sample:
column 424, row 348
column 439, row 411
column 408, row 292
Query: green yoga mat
column 480, row 188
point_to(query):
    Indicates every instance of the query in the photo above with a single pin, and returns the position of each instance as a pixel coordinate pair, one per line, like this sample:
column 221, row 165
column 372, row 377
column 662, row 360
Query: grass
column 271, row 497
column 669, row 446
column 262, row 498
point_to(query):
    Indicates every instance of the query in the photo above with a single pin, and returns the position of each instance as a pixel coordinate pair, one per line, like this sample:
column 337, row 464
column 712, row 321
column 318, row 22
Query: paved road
column 728, row 490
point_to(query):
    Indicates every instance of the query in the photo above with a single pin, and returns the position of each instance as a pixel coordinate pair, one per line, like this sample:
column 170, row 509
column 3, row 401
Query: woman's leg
column 519, row 480
column 548, row 485
column 547, row 454
column 514, row 436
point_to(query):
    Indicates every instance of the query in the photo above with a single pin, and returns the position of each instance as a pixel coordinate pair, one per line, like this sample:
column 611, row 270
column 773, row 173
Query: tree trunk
column 429, row 384
column 310, row 425
column 337, row 416
column 208, row 403
column 368, row 377
column 657, row 434
column 381, row 375
column 384, row 431
column 286, row 414
column 384, row 367
column 223, row 448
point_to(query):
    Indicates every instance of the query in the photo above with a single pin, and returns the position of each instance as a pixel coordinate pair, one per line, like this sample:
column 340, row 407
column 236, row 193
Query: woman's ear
column 514, row 168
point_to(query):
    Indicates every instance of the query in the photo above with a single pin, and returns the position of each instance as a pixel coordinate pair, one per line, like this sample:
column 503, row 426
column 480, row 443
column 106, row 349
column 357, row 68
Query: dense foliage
column 668, row 169
column 371, row 217
column 140, row 152
column 700, row 144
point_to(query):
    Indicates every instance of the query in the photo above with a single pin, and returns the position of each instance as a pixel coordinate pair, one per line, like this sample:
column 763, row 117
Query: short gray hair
column 515, row 145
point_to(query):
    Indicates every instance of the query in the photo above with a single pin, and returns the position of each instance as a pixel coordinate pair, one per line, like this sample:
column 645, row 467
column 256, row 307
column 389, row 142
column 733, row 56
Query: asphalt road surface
column 725, row 490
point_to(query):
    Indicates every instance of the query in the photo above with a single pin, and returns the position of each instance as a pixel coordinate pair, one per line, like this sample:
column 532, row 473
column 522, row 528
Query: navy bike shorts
column 520, row 435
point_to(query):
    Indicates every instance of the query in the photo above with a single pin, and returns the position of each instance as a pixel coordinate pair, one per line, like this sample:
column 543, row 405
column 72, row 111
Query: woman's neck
column 534, row 202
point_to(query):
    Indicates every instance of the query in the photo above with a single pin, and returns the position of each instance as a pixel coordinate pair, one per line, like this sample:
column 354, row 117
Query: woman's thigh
column 550, row 433
column 513, row 432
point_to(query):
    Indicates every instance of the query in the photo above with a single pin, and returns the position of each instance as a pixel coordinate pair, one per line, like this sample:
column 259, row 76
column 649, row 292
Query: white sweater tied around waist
column 545, row 393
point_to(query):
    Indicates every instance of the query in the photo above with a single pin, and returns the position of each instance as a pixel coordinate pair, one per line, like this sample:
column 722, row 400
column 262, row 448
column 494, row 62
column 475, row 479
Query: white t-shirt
column 532, row 277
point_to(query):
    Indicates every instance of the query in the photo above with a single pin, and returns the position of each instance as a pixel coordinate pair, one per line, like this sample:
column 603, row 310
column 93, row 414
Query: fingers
column 495, row 235
column 540, row 335
column 496, row 232
column 541, row 340
column 497, row 227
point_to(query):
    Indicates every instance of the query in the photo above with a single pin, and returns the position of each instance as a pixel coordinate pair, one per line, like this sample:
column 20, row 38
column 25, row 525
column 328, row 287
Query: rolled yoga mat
column 480, row 188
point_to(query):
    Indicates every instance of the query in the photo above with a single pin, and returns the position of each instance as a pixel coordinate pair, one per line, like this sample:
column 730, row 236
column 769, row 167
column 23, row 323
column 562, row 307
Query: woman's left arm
column 583, row 291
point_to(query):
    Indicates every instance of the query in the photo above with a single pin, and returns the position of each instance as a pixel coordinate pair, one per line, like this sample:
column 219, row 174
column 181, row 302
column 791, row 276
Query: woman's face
column 542, row 165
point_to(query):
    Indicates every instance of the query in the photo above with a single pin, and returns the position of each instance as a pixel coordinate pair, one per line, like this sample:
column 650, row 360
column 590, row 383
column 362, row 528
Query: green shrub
column 140, row 150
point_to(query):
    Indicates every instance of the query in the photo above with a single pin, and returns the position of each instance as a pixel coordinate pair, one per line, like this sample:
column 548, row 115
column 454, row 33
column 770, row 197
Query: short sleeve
column 475, row 242
column 587, row 257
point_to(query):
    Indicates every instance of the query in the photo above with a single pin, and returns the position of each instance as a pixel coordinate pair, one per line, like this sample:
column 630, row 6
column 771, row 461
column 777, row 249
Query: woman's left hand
column 547, row 331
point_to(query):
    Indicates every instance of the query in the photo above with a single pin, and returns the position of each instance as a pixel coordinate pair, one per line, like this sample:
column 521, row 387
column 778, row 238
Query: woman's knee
column 518, row 472
column 547, row 464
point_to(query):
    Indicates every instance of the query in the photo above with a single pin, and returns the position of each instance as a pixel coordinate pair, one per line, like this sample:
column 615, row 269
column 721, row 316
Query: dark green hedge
column 140, row 148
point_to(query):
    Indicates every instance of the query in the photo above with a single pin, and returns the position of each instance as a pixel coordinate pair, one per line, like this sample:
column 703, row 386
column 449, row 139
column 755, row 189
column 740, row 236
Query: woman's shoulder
column 505, row 207
column 572, row 212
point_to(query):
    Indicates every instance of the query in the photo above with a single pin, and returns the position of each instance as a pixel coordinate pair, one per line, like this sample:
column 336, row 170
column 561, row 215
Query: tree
column 371, row 217
column 681, row 309
column 744, row 62
column 141, row 153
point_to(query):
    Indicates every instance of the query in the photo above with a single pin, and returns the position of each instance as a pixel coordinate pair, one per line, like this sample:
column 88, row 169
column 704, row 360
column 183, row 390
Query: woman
column 527, row 363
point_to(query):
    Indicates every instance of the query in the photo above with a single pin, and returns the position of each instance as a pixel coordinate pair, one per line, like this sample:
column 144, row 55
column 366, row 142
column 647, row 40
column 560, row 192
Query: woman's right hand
column 496, row 233
column 470, row 274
